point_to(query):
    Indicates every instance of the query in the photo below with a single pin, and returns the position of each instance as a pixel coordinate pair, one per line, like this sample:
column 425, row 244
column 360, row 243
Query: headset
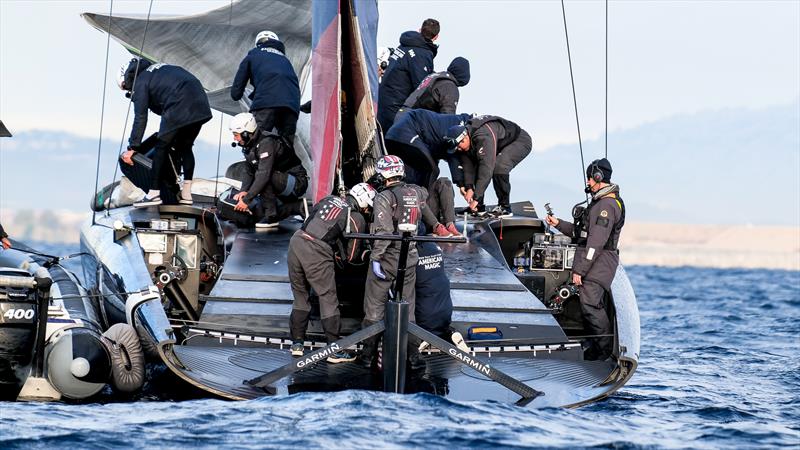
column 596, row 173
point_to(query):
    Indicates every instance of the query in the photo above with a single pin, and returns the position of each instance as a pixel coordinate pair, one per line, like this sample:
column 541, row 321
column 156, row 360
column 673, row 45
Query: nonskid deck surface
column 223, row 370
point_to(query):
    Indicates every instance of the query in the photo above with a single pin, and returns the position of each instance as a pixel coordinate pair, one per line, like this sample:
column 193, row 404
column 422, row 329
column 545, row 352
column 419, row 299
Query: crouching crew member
column 489, row 147
column 438, row 92
column 419, row 137
column 311, row 262
column 276, row 91
column 274, row 172
column 596, row 231
column 179, row 98
column 397, row 204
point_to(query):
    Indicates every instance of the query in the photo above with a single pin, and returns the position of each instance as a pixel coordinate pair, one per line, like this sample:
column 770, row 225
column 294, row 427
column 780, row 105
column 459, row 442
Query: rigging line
column 130, row 100
column 574, row 97
column 102, row 114
column 606, row 147
column 221, row 125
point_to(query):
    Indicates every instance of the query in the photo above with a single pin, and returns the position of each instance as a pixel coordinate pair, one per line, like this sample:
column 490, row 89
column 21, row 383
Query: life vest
column 422, row 97
column 512, row 130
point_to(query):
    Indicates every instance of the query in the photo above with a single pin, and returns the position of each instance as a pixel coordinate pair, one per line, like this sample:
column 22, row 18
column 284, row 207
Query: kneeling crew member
column 489, row 147
column 397, row 204
column 311, row 262
column 596, row 231
column 274, row 172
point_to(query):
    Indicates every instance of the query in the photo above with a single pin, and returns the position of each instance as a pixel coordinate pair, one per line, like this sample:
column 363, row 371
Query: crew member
column 179, row 98
column 4, row 238
column 419, row 137
column 596, row 231
column 408, row 65
column 276, row 91
column 274, row 172
column 438, row 92
column 396, row 205
column 489, row 147
column 311, row 262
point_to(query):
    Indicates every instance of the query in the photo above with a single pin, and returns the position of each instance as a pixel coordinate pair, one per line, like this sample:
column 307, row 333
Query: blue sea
column 719, row 368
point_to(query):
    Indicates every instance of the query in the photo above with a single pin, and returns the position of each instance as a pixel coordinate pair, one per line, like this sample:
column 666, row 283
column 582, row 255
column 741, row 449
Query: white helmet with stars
column 390, row 166
column 364, row 194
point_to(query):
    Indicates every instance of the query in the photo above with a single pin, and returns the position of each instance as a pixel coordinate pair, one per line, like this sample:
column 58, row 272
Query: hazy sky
column 665, row 58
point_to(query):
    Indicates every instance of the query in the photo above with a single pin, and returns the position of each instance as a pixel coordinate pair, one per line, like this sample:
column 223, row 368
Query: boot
column 368, row 356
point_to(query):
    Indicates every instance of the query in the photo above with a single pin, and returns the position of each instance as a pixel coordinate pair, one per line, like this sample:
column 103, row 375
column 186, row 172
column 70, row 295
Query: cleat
column 458, row 340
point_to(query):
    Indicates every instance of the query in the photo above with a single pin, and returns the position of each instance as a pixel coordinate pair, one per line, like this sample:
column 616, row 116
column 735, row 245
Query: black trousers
column 283, row 120
column 510, row 155
column 595, row 316
column 180, row 143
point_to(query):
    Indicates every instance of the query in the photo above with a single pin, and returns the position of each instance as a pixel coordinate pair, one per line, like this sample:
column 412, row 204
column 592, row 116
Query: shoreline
column 651, row 244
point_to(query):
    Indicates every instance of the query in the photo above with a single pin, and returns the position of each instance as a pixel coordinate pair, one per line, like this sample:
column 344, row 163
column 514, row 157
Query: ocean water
column 720, row 368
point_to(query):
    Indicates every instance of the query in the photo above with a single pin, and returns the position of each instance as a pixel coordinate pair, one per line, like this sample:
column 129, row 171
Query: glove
column 441, row 231
column 376, row 269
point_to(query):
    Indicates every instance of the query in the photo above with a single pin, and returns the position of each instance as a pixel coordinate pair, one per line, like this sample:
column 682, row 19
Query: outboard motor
column 19, row 326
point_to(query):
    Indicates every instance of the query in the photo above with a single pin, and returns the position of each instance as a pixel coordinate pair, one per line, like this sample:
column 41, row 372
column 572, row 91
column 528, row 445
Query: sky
column 666, row 58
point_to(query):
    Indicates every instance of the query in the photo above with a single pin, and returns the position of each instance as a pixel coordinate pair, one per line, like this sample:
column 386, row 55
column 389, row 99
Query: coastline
column 654, row 244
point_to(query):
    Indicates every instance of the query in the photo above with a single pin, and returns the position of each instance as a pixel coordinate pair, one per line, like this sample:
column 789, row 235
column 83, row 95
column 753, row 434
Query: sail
column 211, row 45
column 344, row 138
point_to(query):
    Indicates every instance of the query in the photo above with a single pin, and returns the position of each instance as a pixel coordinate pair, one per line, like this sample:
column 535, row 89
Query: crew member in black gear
column 438, row 92
column 276, row 91
column 409, row 64
column 489, row 147
column 311, row 262
column 596, row 231
column 419, row 137
column 274, row 172
column 396, row 205
column 6, row 243
column 179, row 98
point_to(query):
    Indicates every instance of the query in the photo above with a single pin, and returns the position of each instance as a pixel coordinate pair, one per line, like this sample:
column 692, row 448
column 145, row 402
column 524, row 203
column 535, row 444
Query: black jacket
column 488, row 136
column 272, row 76
column 410, row 63
column 171, row 92
column 438, row 92
column 266, row 153
column 425, row 131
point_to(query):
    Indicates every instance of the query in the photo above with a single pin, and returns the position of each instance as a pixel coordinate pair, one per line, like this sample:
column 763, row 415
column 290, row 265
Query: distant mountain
column 732, row 166
column 49, row 169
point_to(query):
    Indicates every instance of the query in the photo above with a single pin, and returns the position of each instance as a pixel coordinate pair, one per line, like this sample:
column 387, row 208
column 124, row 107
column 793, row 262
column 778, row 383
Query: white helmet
column 363, row 193
column 390, row 166
column 243, row 122
column 265, row 35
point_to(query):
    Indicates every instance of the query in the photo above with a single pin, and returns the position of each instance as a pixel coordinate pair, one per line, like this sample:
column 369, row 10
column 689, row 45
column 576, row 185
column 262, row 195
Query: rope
column 221, row 124
column 102, row 115
column 574, row 96
column 130, row 100
column 606, row 147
